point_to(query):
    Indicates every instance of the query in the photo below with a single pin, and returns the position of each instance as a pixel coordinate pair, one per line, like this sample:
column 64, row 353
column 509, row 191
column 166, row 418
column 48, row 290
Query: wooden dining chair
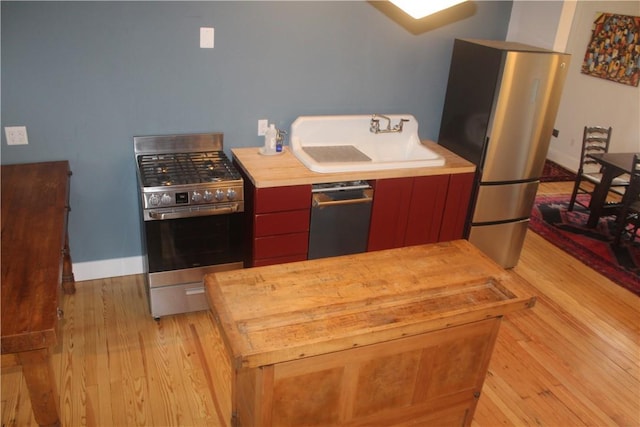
column 628, row 217
column 595, row 140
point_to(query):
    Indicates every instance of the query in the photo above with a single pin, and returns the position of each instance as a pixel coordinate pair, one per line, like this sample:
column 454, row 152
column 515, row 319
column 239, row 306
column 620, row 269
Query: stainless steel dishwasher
column 340, row 217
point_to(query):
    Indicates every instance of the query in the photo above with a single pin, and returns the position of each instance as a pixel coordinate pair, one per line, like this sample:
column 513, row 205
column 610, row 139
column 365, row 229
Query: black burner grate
column 158, row 170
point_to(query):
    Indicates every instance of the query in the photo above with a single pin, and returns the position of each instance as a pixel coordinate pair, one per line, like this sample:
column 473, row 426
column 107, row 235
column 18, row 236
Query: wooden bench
column 35, row 266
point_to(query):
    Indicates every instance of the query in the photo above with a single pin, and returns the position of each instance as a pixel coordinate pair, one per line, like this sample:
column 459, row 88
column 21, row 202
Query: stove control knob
column 154, row 200
column 166, row 199
column 208, row 196
column 231, row 194
column 219, row 195
column 196, row 197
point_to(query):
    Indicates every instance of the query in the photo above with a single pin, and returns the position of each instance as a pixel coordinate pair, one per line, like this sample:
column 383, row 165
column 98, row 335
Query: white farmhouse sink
column 345, row 144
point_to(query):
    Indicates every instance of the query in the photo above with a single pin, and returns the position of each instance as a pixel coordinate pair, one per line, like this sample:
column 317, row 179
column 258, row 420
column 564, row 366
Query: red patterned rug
column 553, row 172
column 592, row 246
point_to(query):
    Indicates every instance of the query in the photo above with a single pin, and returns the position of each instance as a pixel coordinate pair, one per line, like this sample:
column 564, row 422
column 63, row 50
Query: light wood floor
column 573, row 360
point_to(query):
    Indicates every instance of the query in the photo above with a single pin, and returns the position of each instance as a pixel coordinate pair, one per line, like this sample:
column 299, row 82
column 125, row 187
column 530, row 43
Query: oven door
column 194, row 242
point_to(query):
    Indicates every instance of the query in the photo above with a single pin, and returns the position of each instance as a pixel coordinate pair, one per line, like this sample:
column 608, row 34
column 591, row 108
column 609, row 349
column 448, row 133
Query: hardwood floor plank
column 208, row 388
column 572, row 336
column 74, row 374
column 218, row 364
column 100, row 399
column 497, row 406
column 535, row 383
column 16, row 406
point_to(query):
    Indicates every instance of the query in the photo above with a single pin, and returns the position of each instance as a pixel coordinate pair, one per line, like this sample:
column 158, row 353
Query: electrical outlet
column 16, row 135
column 263, row 125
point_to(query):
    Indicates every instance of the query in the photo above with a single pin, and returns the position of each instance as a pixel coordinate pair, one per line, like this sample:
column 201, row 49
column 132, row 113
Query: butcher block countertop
column 285, row 169
column 291, row 311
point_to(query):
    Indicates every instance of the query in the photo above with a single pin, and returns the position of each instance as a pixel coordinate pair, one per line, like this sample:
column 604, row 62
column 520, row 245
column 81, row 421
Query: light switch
column 206, row 37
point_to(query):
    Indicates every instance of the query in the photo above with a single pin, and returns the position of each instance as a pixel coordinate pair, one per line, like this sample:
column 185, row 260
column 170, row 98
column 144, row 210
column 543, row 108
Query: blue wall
column 85, row 77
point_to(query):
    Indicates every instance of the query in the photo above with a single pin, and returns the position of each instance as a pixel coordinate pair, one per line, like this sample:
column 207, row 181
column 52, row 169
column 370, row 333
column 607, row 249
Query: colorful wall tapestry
column 614, row 50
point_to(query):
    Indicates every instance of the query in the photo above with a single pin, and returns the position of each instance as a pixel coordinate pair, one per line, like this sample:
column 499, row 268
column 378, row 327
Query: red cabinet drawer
column 279, row 246
column 281, row 223
column 278, row 199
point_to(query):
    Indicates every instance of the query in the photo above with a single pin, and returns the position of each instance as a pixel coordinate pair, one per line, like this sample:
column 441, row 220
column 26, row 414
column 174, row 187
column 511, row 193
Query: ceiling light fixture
column 421, row 8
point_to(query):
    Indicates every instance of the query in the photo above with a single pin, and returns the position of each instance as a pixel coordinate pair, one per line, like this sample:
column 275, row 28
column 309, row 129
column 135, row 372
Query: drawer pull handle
column 194, row 291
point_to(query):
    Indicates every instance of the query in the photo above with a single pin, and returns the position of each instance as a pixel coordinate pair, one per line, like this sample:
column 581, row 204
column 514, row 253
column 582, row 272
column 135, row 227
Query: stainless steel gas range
column 192, row 203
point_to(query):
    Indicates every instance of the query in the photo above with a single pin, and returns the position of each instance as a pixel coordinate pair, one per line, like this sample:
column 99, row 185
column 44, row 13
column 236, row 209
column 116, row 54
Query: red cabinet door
column 426, row 209
column 456, row 207
column 414, row 211
column 390, row 211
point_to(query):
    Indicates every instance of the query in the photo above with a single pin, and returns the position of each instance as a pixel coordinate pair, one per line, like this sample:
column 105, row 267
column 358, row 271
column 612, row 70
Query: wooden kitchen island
column 394, row 337
column 35, row 266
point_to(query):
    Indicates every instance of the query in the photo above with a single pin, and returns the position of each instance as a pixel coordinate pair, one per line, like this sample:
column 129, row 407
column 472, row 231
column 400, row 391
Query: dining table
column 613, row 165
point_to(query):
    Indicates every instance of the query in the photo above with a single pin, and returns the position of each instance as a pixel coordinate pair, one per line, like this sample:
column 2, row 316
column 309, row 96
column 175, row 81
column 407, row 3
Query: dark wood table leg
column 68, row 280
column 38, row 373
column 599, row 197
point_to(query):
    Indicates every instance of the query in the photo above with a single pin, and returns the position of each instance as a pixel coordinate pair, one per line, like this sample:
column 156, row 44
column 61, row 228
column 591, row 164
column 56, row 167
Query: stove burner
column 163, row 174
column 185, row 168
column 214, row 172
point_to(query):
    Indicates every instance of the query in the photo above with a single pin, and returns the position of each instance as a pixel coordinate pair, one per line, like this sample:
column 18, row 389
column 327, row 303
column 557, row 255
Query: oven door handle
column 187, row 213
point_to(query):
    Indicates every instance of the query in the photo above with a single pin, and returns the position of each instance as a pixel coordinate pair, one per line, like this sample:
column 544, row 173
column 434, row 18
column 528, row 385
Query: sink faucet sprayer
column 374, row 126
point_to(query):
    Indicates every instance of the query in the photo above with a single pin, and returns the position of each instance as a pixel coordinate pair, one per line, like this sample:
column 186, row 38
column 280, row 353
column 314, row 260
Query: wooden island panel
column 383, row 338
column 417, row 380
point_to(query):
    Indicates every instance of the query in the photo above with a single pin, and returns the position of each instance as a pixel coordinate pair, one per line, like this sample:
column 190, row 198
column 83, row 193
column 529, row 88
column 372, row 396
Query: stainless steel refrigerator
column 501, row 103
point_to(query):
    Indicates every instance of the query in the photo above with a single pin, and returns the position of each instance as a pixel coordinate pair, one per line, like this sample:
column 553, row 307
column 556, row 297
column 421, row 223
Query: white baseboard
column 108, row 268
column 563, row 159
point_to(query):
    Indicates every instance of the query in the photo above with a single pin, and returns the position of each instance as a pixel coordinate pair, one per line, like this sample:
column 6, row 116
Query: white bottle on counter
column 270, row 139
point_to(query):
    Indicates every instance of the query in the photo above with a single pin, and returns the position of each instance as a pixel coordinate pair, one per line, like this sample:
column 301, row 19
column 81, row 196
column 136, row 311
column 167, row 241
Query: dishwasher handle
column 323, row 199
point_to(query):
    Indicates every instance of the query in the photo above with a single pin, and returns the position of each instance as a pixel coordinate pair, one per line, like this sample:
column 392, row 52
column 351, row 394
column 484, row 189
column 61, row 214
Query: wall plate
column 263, row 125
column 206, row 37
column 16, row 135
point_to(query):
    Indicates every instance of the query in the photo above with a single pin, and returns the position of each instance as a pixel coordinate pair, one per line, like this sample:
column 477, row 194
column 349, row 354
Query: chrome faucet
column 375, row 123
column 374, row 126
